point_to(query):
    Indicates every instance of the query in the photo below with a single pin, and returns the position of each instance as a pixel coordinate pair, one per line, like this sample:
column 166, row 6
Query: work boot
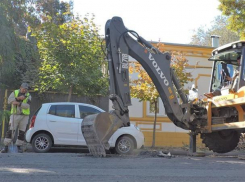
column 4, row 150
column 19, row 149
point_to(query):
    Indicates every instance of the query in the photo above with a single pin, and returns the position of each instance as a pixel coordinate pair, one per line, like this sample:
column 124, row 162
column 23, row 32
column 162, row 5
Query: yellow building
column 167, row 134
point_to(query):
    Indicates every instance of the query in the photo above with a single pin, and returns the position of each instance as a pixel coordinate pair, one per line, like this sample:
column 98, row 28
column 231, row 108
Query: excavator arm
column 120, row 44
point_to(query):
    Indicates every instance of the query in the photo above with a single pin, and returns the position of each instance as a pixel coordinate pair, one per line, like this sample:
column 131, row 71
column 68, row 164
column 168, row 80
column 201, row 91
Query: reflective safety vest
column 24, row 111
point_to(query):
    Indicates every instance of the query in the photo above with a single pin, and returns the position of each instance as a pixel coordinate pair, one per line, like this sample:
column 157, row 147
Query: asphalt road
column 72, row 167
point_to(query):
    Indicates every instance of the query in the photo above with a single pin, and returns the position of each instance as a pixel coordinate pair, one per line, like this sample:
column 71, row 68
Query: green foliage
column 235, row 11
column 14, row 10
column 17, row 54
column 72, row 57
column 4, row 115
column 54, row 11
column 202, row 35
column 24, row 67
column 7, row 46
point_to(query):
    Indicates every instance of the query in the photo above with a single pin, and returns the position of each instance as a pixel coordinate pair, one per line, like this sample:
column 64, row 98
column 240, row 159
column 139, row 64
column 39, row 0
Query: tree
column 72, row 58
column 234, row 10
column 7, row 46
column 202, row 36
column 143, row 88
column 16, row 12
column 60, row 12
column 19, row 59
column 17, row 53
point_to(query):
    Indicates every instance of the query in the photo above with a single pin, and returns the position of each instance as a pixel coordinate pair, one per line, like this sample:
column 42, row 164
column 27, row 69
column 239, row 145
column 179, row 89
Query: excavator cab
column 227, row 63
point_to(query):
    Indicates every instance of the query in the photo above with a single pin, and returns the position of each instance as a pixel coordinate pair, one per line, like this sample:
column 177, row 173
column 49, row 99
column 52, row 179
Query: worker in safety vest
column 20, row 110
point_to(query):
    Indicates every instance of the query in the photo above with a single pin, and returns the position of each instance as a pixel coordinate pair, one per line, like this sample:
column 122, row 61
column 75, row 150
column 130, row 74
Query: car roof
column 67, row 103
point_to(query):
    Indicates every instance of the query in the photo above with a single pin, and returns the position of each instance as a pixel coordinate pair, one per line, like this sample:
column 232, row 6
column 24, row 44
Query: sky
column 171, row 21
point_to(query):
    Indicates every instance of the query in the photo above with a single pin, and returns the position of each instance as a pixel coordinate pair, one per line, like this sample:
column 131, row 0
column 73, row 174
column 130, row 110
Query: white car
column 59, row 124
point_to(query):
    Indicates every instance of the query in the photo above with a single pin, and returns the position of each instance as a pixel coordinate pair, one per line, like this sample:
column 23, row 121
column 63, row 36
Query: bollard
column 192, row 146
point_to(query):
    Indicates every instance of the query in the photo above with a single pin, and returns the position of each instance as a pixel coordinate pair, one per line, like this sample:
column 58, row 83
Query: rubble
column 163, row 154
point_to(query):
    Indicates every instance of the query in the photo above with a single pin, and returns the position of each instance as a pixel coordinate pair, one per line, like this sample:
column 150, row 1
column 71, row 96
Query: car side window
column 63, row 110
column 86, row 110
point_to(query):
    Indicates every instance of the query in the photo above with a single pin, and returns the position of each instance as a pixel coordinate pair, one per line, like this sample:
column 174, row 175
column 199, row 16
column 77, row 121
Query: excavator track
column 97, row 130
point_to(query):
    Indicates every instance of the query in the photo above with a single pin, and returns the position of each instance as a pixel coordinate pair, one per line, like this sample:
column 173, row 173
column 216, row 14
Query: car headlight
column 137, row 128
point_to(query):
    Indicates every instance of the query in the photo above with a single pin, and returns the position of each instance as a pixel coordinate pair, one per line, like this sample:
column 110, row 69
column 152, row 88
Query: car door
column 85, row 110
column 63, row 124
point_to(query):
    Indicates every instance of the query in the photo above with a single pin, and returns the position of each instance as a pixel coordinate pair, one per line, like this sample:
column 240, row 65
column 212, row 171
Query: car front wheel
column 41, row 143
column 124, row 145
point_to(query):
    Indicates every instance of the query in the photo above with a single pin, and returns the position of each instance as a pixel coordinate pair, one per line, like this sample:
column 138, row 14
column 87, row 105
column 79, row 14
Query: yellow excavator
column 219, row 119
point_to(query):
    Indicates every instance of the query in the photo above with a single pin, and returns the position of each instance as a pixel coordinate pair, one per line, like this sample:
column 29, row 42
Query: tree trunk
column 154, row 126
column 69, row 95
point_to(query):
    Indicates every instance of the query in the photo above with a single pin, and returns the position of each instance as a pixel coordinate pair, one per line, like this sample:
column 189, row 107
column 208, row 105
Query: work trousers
column 19, row 121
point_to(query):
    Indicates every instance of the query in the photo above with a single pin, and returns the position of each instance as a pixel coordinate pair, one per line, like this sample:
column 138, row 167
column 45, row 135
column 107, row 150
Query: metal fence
column 39, row 99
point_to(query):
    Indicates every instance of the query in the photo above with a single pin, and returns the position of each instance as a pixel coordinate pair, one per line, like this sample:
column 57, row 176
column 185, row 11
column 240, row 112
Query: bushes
column 4, row 115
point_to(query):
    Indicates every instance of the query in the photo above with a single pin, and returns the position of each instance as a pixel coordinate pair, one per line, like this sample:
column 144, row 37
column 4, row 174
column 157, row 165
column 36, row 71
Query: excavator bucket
column 97, row 129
